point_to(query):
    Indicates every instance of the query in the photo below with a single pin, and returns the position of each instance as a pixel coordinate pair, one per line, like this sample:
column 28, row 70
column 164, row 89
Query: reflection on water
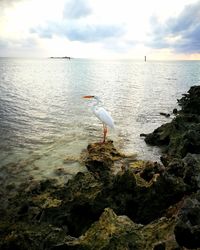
column 43, row 118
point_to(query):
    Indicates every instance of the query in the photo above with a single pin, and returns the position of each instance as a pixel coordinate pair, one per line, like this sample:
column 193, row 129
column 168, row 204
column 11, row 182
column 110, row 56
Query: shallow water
column 44, row 120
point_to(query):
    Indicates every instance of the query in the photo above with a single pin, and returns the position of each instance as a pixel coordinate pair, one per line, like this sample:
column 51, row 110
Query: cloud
column 76, row 31
column 17, row 47
column 93, row 33
column 3, row 44
column 120, row 46
column 4, row 4
column 76, row 25
column 182, row 34
column 75, row 9
column 7, row 3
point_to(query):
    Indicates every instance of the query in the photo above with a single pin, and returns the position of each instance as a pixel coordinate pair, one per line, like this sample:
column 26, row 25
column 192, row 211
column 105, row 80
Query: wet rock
column 192, row 171
column 11, row 186
column 24, row 236
column 150, row 170
column 100, row 156
column 60, row 171
column 159, row 234
column 119, row 232
column 143, row 191
column 160, row 136
column 160, row 246
column 191, row 101
column 188, row 169
column 166, row 159
column 187, row 229
column 143, row 135
column 151, row 202
column 182, row 134
column 100, row 159
column 112, row 232
column 75, row 212
column 176, row 167
column 175, row 111
column 165, row 114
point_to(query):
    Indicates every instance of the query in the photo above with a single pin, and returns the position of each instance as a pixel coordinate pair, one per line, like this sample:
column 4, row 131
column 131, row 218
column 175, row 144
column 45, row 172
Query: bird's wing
column 104, row 116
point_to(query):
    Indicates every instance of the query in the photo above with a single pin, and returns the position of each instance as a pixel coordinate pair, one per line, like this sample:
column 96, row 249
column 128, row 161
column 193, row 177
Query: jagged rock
column 175, row 111
column 150, row 203
column 187, row 168
column 192, row 171
column 150, row 170
column 182, row 134
column 143, row 191
column 160, row 136
column 165, row 114
column 187, row 229
column 100, row 157
column 25, row 236
column 112, row 232
column 190, row 102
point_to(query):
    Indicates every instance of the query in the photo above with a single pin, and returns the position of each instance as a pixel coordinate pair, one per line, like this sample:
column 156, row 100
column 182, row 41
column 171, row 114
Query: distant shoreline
column 60, row 57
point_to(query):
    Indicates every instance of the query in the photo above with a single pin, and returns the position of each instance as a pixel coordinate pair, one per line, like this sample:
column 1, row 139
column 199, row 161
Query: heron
column 102, row 114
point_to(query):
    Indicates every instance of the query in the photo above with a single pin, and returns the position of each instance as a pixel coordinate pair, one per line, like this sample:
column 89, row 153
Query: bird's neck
column 97, row 103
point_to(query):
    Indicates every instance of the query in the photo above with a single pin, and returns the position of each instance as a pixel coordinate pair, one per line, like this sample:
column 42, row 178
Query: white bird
column 101, row 114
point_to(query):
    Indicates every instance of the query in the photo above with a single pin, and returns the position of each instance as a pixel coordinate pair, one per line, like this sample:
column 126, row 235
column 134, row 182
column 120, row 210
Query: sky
column 104, row 29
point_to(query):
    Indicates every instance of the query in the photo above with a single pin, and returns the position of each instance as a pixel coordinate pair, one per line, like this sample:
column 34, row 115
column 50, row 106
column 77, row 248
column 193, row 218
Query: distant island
column 60, row 57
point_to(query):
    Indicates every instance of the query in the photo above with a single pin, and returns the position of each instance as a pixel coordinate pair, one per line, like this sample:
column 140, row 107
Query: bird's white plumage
column 103, row 116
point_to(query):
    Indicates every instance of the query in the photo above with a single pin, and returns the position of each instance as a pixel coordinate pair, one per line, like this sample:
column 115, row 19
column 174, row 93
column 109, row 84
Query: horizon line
column 96, row 58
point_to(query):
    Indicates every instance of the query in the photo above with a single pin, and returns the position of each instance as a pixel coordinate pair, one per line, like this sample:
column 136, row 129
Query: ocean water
column 45, row 123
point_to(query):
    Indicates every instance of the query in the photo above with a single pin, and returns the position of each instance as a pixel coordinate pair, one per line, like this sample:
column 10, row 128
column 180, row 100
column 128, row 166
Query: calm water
column 44, row 120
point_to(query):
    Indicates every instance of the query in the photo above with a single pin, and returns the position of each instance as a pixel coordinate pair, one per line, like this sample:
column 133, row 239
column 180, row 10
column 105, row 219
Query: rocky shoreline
column 120, row 202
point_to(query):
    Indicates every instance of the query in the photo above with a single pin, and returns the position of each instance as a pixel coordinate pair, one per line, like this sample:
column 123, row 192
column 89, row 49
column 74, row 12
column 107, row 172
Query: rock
column 112, row 232
column 165, row 114
column 182, row 134
column 191, row 101
column 176, row 167
column 188, row 169
column 187, row 229
column 159, row 234
column 25, row 236
column 179, row 137
column 101, row 156
column 160, row 136
column 150, row 170
column 192, row 171
column 142, row 192
column 151, row 202
column 175, row 111
column 75, row 212
column 143, row 135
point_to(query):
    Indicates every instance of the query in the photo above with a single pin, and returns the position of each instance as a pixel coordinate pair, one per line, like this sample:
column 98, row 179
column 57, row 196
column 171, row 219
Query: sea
column 45, row 124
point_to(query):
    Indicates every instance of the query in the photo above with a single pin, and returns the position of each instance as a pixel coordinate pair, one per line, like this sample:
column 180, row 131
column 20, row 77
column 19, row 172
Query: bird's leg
column 105, row 130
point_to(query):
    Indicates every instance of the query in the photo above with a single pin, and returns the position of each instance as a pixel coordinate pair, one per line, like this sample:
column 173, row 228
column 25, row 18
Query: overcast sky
column 159, row 29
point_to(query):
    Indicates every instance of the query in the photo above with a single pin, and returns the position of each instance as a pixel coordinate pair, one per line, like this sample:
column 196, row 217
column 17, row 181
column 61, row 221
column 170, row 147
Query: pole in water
column 145, row 58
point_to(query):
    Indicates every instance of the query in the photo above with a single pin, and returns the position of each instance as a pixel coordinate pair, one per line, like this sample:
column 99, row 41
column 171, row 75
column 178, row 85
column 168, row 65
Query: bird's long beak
column 88, row 96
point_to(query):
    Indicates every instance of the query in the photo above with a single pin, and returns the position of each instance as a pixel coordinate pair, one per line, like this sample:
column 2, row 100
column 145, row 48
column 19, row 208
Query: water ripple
column 40, row 103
